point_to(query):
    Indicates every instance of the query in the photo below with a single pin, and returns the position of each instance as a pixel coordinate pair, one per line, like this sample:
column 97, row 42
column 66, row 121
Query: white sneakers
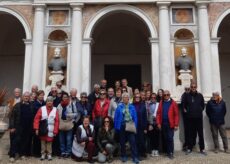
column 155, row 153
column 43, row 157
column 49, row 157
column 12, row 160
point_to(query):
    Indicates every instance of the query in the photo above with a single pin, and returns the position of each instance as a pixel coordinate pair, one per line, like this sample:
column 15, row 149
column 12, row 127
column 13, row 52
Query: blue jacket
column 216, row 112
column 119, row 117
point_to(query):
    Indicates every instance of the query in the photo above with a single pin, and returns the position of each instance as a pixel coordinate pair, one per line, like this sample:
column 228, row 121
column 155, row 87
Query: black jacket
column 216, row 112
column 193, row 103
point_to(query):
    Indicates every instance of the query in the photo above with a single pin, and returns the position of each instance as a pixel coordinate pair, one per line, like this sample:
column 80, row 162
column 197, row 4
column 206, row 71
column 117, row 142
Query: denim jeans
column 168, row 134
column 124, row 136
column 65, row 138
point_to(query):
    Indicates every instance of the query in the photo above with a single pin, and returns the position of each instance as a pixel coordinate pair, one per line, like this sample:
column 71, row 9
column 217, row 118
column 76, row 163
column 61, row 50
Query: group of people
column 99, row 125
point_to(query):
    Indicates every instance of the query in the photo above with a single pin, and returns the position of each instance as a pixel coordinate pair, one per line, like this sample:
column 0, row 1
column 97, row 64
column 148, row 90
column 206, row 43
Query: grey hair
column 125, row 94
column 216, row 93
column 73, row 90
column 26, row 93
column 83, row 94
column 96, row 86
column 17, row 89
column 49, row 99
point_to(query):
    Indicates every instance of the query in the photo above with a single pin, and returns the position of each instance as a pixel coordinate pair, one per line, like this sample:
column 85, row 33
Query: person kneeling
column 83, row 141
column 105, row 141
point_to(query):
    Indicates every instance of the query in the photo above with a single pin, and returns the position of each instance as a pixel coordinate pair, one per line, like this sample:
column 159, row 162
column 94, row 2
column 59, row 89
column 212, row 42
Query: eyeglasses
column 166, row 94
column 154, row 97
column 137, row 97
column 102, row 93
column 83, row 97
column 54, row 90
column 106, row 121
column 193, row 86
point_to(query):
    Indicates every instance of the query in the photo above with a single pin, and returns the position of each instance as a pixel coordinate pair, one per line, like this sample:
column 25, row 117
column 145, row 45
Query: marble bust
column 184, row 62
column 57, row 63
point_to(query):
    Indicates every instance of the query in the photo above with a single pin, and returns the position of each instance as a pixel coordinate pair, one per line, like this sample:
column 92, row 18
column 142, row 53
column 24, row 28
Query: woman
column 105, row 140
column 114, row 103
column 36, row 149
column 160, row 94
column 83, row 107
column 84, row 141
column 125, row 122
column 141, row 125
column 66, row 116
column 117, row 84
column 49, row 113
column 153, row 131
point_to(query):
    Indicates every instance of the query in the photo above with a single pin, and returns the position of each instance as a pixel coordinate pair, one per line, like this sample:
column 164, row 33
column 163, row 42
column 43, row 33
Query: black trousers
column 36, row 145
column 14, row 144
column 153, row 138
column 25, row 142
column 196, row 127
column 186, row 130
column 140, row 140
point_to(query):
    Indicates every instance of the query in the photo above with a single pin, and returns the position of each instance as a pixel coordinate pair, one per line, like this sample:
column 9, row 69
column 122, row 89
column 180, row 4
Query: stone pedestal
column 185, row 78
column 3, row 119
column 55, row 77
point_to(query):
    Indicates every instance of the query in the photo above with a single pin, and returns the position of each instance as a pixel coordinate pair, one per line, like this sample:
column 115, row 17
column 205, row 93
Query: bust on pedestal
column 56, row 65
column 185, row 64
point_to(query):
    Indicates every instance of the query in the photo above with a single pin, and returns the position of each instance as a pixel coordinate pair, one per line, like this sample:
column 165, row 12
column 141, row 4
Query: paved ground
column 180, row 158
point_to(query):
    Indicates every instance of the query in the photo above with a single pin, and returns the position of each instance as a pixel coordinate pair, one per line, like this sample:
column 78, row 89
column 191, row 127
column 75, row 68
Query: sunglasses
column 106, row 121
column 102, row 93
column 83, row 97
column 193, row 86
column 166, row 94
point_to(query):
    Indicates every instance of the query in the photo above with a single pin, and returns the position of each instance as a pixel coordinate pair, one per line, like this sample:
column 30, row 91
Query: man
column 193, row 105
column 124, row 83
column 20, row 125
column 104, row 84
column 110, row 93
column 93, row 96
column 34, row 89
column 216, row 111
column 56, row 99
column 185, row 120
column 168, row 121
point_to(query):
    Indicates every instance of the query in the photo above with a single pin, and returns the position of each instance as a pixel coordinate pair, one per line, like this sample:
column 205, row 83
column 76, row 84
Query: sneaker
column 12, row 160
column 136, row 161
column 42, row 157
column 203, row 153
column 23, row 157
column 124, row 159
column 156, row 153
column 188, row 152
column 63, row 155
column 49, row 157
column 226, row 151
column 216, row 151
column 67, row 155
column 170, row 156
column 90, row 161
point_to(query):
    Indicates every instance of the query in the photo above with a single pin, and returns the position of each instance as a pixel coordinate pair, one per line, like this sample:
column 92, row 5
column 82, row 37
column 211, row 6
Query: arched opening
column 57, row 39
column 224, row 60
column 184, row 38
column 121, row 49
column 12, row 51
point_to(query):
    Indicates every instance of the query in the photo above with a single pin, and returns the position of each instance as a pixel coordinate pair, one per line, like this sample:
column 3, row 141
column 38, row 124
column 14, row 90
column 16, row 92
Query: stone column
column 155, row 63
column 27, row 65
column 68, row 65
column 76, row 47
column 37, row 45
column 164, row 46
column 204, row 50
column 86, row 65
column 196, row 45
column 216, row 79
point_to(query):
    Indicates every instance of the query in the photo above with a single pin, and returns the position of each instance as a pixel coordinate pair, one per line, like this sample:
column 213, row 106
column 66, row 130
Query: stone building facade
column 98, row 37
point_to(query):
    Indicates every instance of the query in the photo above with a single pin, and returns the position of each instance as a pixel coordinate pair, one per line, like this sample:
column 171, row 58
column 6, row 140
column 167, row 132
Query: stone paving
column 180, row 158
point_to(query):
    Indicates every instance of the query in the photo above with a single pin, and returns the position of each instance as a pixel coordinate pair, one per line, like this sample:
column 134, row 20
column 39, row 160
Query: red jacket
column 37, row 119
column 173, row 114
column 100, row 111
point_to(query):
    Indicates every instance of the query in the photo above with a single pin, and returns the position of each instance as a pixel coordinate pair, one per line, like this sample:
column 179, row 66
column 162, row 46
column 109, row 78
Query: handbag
column 43, row 127
column 65, row 125
column 130, row 127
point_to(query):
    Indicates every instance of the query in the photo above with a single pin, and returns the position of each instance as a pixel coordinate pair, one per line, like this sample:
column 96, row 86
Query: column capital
column 215, row 40
column 153, row 40
column 88, row 41
column 27, row 41
column 202, row 4
column 77, row 6
column 163, row 5
column 39, row 6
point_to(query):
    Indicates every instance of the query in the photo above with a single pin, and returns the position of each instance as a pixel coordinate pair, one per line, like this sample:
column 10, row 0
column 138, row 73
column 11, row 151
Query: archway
column 12, row 49
column 224, row 60
column 121, row 49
